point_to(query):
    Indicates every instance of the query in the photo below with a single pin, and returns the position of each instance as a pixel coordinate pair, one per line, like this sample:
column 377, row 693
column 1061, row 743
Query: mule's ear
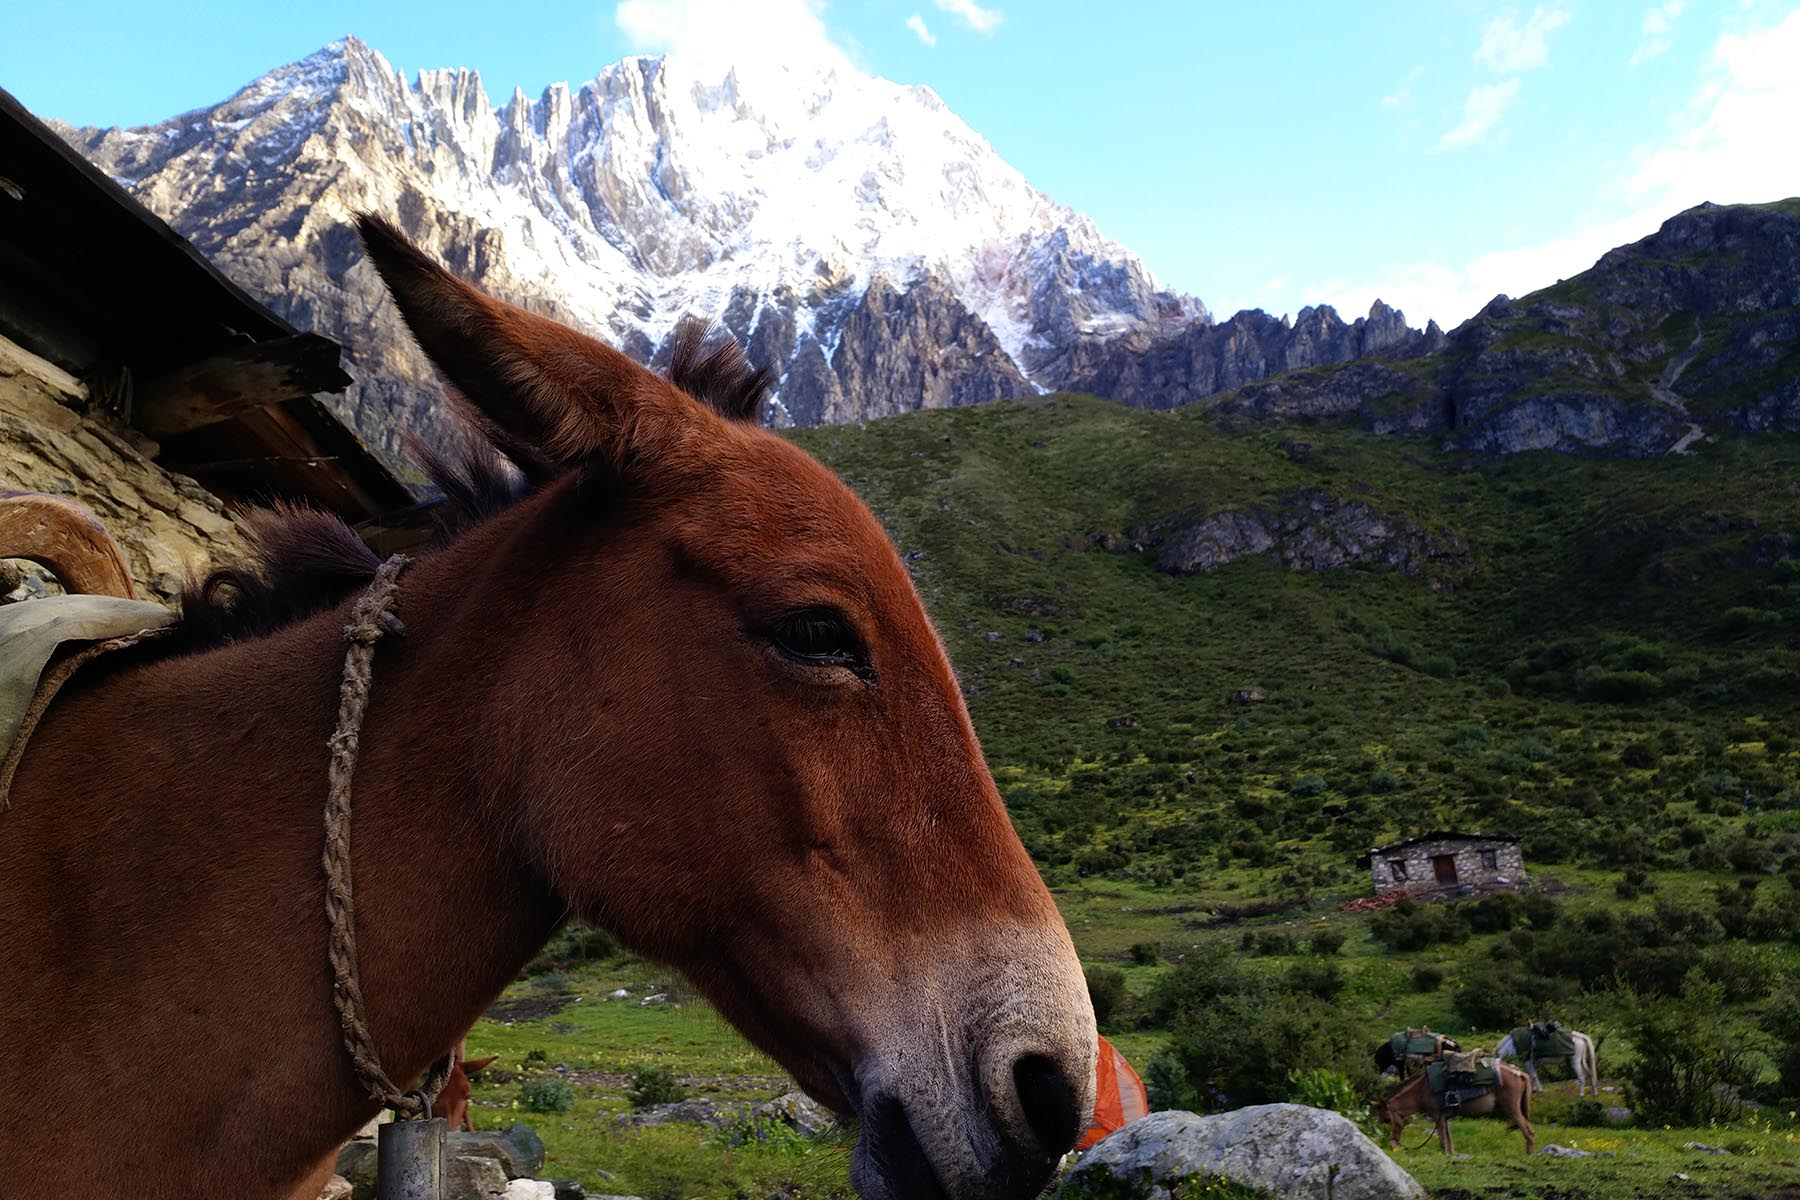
column 476, row 1065
column 557, row 393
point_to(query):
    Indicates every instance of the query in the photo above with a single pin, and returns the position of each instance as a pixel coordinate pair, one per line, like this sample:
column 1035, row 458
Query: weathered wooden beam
column 225, row 385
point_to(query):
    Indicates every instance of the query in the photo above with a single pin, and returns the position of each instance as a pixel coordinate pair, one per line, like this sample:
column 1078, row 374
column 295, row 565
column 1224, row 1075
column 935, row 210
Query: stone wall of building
column 1480, row 863
column 168, row 525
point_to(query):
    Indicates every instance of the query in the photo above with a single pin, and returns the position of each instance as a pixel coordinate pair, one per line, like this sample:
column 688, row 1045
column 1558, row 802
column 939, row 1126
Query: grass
column 1617, row 683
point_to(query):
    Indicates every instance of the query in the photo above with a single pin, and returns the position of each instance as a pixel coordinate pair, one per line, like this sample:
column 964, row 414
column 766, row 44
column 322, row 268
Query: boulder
column 467, row 1177
column 356, row 1164
column 518, row 1151
column 799, row 1110
column 530, row 1189
column 336, row 1188
column 1286, row 1150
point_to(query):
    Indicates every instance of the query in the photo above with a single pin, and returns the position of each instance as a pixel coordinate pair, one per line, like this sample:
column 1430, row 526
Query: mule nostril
column 1048, row 1102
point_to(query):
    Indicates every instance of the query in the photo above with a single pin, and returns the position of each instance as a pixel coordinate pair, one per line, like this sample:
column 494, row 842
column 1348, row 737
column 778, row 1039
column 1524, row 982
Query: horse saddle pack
column 1458, row 1078
column 1413, row 1043
column 1547, row 1039
column 44, row 642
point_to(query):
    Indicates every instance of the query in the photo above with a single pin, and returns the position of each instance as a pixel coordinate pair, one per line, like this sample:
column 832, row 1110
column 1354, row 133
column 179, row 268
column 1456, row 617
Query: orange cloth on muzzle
column 1119, row 1097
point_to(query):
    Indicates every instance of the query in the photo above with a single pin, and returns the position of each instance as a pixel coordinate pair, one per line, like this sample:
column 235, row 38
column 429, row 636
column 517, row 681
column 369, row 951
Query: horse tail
column 1384, row 1057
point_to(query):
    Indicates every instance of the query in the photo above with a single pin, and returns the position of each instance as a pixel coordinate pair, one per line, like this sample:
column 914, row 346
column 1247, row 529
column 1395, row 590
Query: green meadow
column 1610, row 672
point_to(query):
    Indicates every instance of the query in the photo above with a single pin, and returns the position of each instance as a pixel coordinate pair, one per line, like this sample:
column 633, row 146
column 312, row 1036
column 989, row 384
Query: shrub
column 1327, row 942
column 1429, row 977
column 1240, row 1049
column 1782, row 1025
column 1597, row 683
column 651, row 1086
column 1538, row 910
column 1410, row 926
column 1324, row 1088
column 1493, row 914
column 1106, row 991
column 1586, row 1112
column 1323, row 980
column 1167, row 1082
column 1693, row 1057
column 546, row 1093
column 1500, row 996
column 1146, row 954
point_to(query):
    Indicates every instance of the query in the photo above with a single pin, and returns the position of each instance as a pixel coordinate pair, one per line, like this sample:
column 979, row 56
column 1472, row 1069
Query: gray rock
column 336, row 1188
column 1555, row 1151
column 467, row 1177
column 1310, row 530
column 696, row 1110
column 799, row 1110
column 1285, row 1149
column 356, row 1163
column 519, row 1151
column 1703, row 1148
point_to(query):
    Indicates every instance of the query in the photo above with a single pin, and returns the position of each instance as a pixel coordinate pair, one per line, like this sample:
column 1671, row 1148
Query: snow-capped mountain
column 852, row 232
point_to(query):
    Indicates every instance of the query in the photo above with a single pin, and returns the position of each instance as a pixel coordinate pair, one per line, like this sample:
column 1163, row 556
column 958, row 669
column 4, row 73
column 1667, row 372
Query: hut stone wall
column 50, row 441
column 1483, row 863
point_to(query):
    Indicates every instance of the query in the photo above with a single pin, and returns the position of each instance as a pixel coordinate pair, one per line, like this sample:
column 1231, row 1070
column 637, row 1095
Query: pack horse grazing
column 1551, row 1041
column 1509, row 1096
column 668, row 676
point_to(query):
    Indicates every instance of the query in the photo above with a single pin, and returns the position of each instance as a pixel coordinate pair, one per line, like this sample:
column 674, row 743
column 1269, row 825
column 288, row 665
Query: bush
column 1327, row 942
column 1324, row 1088
column 1410, row 926
column 1106, row 991
column 546, row 1093
column 651, row 1086
column 1146, row 954
column 1167, row 1082
column 1240, row 1049
column 1323, row 980
column 1693, row 1057
column 1538, row 910
column 1493, row 914
column 1429, row 977
column 1782, row 1025
column 1586, row 1112
column 1502, row 996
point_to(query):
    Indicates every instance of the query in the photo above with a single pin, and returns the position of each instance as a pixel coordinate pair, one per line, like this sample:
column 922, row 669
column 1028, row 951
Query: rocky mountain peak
column 764, row 195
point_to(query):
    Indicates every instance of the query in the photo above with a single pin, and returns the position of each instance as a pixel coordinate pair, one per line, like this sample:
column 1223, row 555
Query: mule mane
column 303, row 560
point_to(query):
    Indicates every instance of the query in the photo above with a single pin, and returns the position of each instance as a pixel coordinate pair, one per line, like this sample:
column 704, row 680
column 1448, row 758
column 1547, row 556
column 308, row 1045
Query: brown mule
column 452, row 1102
column 670, row 677
column 1511, row 1099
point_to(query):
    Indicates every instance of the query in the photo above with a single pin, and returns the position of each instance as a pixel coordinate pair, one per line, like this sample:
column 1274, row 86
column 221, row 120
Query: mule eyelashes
column 820, row 637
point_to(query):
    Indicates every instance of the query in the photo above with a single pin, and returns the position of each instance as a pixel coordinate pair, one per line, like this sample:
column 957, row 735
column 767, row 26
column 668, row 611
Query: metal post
column 409, row 1160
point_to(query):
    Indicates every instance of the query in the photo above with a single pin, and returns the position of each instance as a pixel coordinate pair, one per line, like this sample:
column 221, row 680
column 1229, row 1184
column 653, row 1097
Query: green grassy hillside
column 1615, row 680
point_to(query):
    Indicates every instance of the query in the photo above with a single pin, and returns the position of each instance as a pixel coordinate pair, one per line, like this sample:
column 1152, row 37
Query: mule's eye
column 822, row 638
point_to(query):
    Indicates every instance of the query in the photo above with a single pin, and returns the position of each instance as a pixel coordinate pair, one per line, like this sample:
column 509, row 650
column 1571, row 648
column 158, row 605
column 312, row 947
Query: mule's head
column 730, row 735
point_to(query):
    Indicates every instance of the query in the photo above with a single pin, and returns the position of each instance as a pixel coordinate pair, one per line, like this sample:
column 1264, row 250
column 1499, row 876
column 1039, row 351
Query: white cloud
column 1720, row 148
column 1508, row 47
column 1656, row 40
column 1486, row 104
column 1402, row 95
column 981, row 20
column 713, row 36
column 916, row 23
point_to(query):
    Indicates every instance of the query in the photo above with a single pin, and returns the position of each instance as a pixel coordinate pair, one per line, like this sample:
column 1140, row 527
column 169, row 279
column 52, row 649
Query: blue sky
column 1254, row 155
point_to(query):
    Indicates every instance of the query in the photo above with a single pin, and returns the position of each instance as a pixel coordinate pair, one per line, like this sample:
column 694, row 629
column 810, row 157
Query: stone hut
column 1441, row 863
column 140, row 382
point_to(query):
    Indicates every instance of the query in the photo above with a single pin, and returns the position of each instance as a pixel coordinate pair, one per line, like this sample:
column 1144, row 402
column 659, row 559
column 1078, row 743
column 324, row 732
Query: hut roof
column 96, row 283
column 1436, row 835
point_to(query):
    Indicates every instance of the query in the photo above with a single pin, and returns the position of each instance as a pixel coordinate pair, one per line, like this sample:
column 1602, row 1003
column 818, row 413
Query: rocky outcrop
column 1146, row 370
column 905, row 350
column 1309, row 530
column 477, row 1166
column 53, row 440
column 1285, row 1150
column 1691, row 332
column 772, row 199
